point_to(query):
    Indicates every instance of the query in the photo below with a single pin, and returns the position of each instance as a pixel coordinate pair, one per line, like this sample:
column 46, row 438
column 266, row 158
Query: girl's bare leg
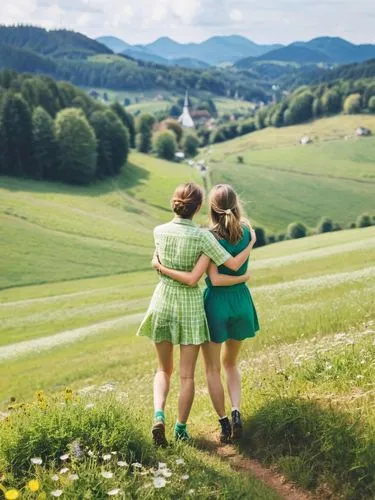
column 163, row 374
column 188, row 361
column 232, row 374
column 211, row 355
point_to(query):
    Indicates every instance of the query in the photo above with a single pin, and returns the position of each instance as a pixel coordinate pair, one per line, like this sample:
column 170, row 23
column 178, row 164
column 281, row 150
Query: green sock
column 181, row 432
column 159, row 415
column 180, row 427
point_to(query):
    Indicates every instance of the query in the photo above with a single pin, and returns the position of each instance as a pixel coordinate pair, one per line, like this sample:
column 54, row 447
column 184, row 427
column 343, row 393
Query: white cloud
column 236, row 15
column 140, row 21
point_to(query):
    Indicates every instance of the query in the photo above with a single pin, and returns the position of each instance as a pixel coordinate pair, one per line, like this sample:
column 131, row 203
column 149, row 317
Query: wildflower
column 73, row 477
column 91, row 453
column 55, row 477
column 64, row 470
column 12, row 494
column 137, row 465
column 56, row 493
column 37, row 461
column 191, row 492
column 90, row 406
column 159, row 482
column 64, row 457
column 107, row 457
column 107, row 475
column 185, row 477
column 77, row 450
column 33, row 485
column 114, row 492
column 162, row 465
column 166, row 472
column 113, row 452
column 180, row 461
column 121, row 463
column 68, row 394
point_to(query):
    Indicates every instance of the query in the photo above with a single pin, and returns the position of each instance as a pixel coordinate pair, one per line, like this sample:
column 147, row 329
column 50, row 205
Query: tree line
column 53, row 131
column 297, row 230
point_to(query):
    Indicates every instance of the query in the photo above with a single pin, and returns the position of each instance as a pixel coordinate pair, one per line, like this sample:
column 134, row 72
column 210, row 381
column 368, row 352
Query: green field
column 281, row 181
column 75, row 281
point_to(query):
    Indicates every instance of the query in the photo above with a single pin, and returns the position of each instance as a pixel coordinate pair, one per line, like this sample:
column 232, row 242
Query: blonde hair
column 226, row 213
column 186, row 200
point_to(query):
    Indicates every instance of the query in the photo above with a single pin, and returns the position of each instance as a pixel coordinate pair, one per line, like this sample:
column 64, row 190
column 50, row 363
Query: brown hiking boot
column 226, row 431
column 158, row 433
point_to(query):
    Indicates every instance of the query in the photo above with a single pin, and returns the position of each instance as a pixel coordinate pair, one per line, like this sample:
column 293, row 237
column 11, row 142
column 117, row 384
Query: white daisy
column 64, row 470
column 162, row 465
column 166, row 472
column 55, row 477
column 73, row 477
column 185, row 477
column 180, row 461
column 107, row 457
column 159, row 482
column 36, row 461
column 57, row 493
column 137, row 465
column 107, row 475
column 90, row 406
column 91, row 453
column 114, row 492
column 64, row 457
column 121, row 463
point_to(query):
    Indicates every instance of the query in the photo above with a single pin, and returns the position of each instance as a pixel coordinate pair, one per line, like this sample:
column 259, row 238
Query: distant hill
column 331, row 50
column 296, row 53
column 215, row 50
column 188, row 62
column 54, row 43
column 144, row 54
column 113, row 43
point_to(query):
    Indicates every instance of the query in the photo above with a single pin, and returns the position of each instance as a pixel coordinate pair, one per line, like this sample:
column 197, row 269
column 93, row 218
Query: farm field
column 316, row 311
column 282, row 182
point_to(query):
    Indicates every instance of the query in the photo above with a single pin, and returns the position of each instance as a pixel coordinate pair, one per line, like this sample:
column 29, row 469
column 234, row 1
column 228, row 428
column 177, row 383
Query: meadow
column 282, row 181
column 75, row 281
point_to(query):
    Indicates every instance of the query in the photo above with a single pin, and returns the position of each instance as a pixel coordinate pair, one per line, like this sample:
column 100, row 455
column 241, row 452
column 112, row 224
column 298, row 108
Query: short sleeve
column 212, row 248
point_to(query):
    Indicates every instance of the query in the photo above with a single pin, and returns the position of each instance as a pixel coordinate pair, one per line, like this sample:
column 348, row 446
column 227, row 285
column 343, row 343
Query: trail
column 18, row 349
column 244, row 465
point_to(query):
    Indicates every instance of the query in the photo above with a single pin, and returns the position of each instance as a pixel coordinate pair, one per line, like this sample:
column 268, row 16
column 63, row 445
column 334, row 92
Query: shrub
column 191, row 145
column 45, row 150
column 281, row 237
column 352, row 225
column 352, row 104
column 261, row 237
column 175, row 127
column 317, row 107
column 325, row 225
column 77, row 147
column 271, row 239
column 145, row 124
column 371, row 104
column 240, row 159
column 296, row 230
column 165, row 145
column 217, row 136
column 364, row 220
column 301, row 108
column 246, row 127
column 331, row 102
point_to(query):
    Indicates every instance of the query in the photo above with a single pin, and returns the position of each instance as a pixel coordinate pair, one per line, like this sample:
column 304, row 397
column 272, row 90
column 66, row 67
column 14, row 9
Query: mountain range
column 242, row 52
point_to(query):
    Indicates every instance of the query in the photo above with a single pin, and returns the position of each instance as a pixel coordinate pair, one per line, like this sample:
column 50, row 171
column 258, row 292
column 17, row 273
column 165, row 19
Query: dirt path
column 269, row 477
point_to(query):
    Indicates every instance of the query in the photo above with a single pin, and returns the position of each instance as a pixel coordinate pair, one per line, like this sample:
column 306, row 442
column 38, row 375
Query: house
column 363, row 132
column 200, row 116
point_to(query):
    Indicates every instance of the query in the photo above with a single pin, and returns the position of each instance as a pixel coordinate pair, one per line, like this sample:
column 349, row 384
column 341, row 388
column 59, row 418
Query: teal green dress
column 230, row 310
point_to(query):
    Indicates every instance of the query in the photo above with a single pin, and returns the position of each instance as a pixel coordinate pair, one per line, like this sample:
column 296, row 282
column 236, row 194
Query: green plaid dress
column 176, row 312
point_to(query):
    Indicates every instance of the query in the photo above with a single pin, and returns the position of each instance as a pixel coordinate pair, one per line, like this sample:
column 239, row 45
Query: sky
column 142, row 21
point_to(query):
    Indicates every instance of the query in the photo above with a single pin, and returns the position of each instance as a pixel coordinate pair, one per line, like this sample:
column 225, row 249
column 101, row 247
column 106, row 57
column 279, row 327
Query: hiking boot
column 181, row 433
column 236, row 424
column 226, row 430
column 158, row 433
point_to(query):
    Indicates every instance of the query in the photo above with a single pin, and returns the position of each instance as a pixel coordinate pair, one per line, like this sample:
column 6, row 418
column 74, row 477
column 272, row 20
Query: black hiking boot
column 236, row 424
column 158, row 434
column 226, row 430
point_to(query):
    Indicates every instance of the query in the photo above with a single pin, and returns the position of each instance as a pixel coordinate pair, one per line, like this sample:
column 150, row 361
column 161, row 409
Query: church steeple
column 185, row 119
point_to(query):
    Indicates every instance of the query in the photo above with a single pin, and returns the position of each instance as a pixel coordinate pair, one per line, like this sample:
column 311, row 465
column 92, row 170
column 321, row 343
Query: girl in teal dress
column 229, row 307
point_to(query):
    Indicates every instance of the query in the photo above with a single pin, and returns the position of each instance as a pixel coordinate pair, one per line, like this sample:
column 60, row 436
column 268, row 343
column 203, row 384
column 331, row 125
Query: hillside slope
column 74, row 232
column 282, row 181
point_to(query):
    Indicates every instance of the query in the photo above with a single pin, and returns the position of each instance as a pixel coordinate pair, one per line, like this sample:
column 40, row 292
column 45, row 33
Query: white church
column 185, row 119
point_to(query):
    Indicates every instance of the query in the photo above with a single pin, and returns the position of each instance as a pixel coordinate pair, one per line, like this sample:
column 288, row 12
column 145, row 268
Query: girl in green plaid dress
column 176, row 313
column 229, row 306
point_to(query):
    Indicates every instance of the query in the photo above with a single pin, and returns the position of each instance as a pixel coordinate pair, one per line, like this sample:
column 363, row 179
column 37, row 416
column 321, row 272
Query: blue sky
column 141, row 21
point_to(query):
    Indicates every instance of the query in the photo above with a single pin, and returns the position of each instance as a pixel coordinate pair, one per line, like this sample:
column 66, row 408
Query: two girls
column 178, row 314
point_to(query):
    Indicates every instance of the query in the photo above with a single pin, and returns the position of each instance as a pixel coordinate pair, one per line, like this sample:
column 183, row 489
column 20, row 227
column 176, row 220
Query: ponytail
column 226, row 214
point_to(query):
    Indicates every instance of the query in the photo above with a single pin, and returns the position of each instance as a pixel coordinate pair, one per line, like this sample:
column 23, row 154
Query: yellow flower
column 33, row 485
column 12, row 495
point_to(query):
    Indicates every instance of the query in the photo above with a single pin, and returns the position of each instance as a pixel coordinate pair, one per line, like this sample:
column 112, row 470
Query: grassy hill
column 104, row 229
column 282, row 181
